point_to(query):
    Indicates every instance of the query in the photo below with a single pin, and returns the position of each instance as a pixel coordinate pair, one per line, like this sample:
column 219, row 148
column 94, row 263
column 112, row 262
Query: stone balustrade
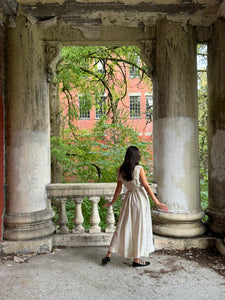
column 77, row 191
column 95, row 236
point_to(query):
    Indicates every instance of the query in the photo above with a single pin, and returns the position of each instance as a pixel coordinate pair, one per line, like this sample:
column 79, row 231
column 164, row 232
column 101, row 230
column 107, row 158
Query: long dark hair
column 132, row 158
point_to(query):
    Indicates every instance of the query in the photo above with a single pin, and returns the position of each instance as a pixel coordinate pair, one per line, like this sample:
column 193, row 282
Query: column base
column 39, row 246
column 28, row 226
column 216, row 221
column 178, row 224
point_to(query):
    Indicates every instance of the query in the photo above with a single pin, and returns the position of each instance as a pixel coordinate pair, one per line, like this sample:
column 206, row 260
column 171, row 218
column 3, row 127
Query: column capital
column 78, row 199
column 53, row 55
column 148, row 54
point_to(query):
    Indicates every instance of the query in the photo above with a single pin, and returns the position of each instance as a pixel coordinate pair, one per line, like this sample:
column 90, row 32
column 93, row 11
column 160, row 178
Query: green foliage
column 56, row 216
column 86, row 211
column 91, row 72
column 202, row 117
column 96, row 154
column 70, row 211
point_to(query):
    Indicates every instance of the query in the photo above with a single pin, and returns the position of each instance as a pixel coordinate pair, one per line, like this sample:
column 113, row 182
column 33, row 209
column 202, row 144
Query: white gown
column 133, row 237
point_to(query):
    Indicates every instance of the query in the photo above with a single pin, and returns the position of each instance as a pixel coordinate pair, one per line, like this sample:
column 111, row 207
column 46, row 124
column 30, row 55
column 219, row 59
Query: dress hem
column 129, row 256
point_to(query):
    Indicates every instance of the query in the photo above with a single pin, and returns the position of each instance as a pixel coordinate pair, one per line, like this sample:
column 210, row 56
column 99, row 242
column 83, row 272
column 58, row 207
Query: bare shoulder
column 141, row 169
column 138, row 167
column 142, row 176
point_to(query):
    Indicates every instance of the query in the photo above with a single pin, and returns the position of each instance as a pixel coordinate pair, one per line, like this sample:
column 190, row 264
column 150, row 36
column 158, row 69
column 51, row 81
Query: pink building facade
column 137, row 106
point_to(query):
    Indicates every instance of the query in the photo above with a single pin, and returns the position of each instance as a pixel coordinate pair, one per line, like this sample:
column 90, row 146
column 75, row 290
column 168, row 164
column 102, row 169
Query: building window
column 84, row 111
column 100, row 109
column 134, row 71
column 135, row 107
column 100, row 67
column 149, row 105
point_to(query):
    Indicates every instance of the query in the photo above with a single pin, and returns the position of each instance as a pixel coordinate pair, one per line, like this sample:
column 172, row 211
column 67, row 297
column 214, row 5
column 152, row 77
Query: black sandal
column 105, row 260
column 141, row 264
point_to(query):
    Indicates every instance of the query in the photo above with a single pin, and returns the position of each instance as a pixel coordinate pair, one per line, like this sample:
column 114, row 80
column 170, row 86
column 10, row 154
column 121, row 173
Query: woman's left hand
column 163, row 207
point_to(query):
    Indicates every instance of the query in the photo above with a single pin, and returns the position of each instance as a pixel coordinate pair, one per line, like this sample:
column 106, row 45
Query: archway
column 175, row 105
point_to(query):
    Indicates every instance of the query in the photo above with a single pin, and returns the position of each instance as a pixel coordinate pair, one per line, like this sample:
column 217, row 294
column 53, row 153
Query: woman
column 133, row 237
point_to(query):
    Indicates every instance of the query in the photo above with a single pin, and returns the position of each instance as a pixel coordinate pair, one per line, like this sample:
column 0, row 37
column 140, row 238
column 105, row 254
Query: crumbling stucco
column 217, row 154
column 176, row 163
column 28, row 154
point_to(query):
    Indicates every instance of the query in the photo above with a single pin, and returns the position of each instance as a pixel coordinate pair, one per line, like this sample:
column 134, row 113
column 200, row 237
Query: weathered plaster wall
column 1, row 131
column 175, row 157
column 175, row 71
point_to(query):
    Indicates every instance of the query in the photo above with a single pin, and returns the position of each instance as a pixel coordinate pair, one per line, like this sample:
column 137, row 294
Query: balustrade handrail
column 60, row 190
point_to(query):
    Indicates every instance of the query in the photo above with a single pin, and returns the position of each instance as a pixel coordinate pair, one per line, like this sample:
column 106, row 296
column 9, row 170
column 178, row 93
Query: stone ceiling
column 130, row 13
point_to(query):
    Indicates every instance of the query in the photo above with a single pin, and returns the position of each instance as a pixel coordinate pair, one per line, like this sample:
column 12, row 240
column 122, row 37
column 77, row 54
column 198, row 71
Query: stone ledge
column 43, row 245
column 82, row 240
column 103, row 240
column 169, row 243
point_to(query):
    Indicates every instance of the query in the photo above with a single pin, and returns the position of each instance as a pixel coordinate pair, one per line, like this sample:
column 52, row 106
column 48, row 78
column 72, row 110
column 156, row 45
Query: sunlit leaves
column 92, row 72
column 202, row 119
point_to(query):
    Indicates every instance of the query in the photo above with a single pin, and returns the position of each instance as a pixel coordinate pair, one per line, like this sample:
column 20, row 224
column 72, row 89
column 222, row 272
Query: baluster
column 62, row 216
column 95, row 219
column 78, row 218
column 110, row 218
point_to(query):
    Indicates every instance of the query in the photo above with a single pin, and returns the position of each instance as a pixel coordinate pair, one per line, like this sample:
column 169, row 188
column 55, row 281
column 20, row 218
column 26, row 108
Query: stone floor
column 76, row 273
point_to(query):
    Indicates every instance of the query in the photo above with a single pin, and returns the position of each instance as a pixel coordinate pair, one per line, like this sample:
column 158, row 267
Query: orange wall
column 139, row 124
column 1, row 135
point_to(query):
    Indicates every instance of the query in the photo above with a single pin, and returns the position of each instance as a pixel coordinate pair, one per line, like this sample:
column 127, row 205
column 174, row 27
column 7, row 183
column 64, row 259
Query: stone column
column 28, row 213
column 176, row 161
column 2, row 183
column 216, row 128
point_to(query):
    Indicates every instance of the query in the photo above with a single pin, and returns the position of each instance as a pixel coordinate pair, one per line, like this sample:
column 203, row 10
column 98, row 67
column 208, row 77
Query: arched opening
column 175, row 113
column 103, row 105
column 90, row 98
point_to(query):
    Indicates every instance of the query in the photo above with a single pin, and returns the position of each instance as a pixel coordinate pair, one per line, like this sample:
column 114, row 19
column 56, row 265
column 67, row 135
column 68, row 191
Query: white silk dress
column 133, row 237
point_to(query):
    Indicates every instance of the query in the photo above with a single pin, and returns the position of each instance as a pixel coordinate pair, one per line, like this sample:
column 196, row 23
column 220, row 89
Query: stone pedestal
column 176, row 167
column 28, row 214
column 216, row 128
